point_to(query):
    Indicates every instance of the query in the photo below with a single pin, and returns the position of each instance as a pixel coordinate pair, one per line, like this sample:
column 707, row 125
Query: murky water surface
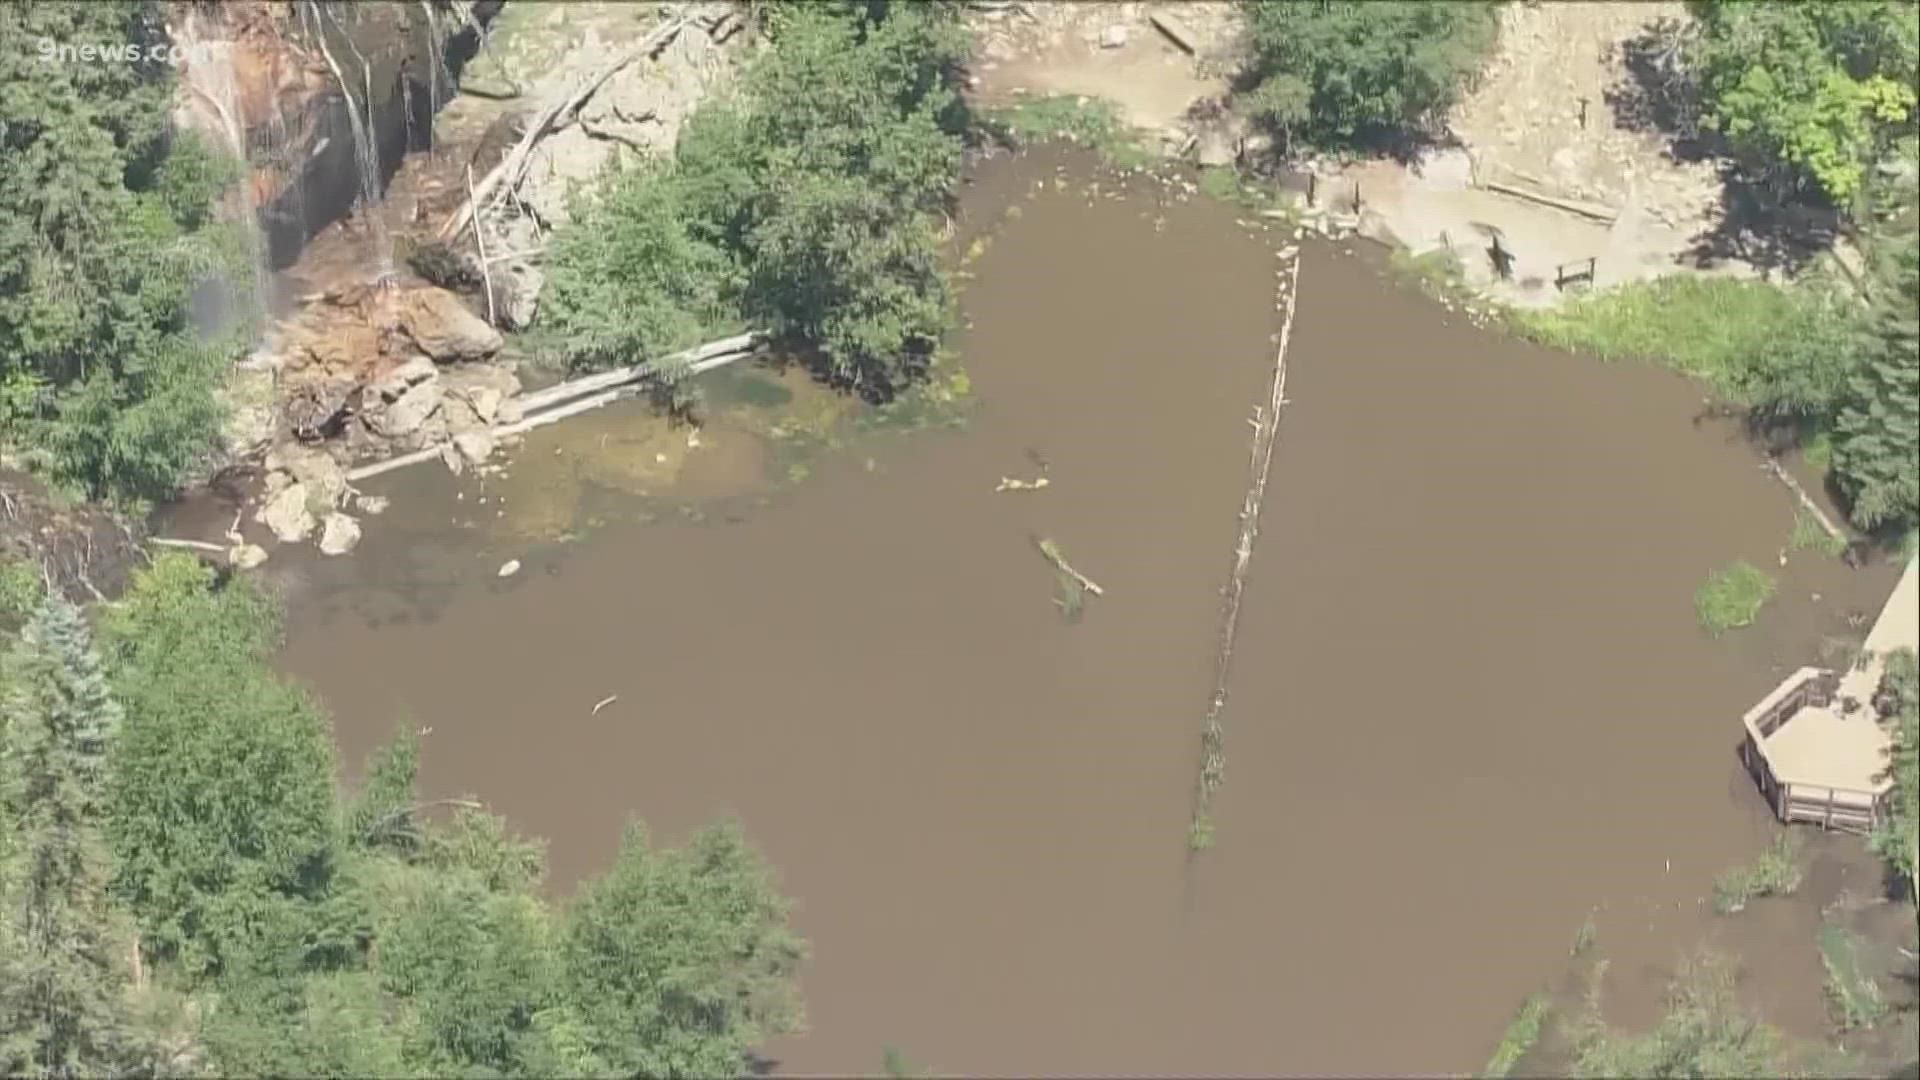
column 1470, row 706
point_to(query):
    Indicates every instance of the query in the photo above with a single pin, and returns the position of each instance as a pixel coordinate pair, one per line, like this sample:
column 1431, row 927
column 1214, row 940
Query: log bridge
column 575, row 396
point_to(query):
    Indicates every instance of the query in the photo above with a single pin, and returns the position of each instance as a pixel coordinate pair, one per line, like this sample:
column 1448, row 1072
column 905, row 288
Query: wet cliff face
column 285, row 84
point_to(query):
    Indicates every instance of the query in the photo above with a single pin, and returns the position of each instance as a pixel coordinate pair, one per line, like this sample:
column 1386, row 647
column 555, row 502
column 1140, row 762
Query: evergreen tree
column 1876, row 452
column 104, row 233
column 64, row 987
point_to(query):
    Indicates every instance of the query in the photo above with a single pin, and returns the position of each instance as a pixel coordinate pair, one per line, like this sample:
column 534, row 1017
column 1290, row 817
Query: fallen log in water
column 1266, row 432
column 189, row 545
column 582, row 395
column 1059, row 560
column 1772, row 465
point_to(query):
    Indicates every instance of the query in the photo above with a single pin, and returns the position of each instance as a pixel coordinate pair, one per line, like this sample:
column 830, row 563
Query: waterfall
column 365, row 147
column 211, row 81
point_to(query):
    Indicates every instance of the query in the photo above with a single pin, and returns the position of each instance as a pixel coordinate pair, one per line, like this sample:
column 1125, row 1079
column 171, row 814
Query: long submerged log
column 1266, row 432
column 1772, row 465
column 556, row 403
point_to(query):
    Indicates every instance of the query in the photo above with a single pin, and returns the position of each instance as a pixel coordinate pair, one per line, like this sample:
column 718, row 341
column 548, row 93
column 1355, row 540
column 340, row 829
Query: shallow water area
column 1470, row 702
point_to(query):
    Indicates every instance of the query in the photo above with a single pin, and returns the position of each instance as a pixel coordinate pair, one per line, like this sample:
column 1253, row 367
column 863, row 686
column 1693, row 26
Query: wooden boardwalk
column 1815, row 744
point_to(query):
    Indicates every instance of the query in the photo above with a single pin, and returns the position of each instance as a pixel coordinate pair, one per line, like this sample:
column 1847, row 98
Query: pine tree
column 64, row 1005
column 1876, row 451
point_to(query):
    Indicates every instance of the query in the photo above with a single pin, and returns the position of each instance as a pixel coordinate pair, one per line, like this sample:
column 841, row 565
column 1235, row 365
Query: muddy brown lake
column 1470, row 703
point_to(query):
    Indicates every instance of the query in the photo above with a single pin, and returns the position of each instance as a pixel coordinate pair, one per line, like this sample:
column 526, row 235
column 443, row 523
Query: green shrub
column 1784, row 351
column 807, row 205
column 1776, row 872
column 1345, row 74
column 1732, row 597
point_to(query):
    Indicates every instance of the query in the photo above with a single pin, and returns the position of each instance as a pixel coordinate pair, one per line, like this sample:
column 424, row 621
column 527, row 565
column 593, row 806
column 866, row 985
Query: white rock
column 404, row 417
column 246, row 556
column 486, row 403
column 316, row 470
column 1113, row 37
column 411, row 373
column 475, row 446
column 373, row 504
column 509, row 568
column 287, row 515
column 338, row 534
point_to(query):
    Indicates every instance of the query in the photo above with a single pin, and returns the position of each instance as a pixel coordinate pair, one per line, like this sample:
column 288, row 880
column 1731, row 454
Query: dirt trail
column 1521, row 127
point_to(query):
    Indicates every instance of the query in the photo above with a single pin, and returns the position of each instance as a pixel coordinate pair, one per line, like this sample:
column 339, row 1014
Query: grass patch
column 1092, row 122
column 1810, row 535
column 1775, row 873
column 1230, row 186
column 1817, row 451
column 1736, row 334
column 1438, row 272
column 1522, row 1032
column 1221, row 184
column 1732, row 597
column 1855, row 997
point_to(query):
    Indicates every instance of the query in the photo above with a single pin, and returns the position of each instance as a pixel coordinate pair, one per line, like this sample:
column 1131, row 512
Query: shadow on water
column 1470, row 701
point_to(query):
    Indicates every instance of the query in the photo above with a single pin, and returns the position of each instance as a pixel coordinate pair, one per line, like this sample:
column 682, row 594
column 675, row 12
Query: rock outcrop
column 442, row 327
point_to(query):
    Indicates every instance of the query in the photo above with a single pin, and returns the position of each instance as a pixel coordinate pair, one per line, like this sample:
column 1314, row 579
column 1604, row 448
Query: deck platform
column 1815, row 745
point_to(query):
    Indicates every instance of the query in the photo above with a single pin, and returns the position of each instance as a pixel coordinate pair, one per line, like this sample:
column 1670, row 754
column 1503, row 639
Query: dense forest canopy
column 183, row 889
column 1809, row 96
column 105, row 230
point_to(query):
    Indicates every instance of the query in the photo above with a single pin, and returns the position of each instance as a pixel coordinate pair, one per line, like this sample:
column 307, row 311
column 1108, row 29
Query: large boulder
column 474, row 446
column 404, row 377
column 316, row 470
column 286, row 514
column 338, row 534
column 486, row 402
column 442, row 327
column 246, row 556
column 406, row 415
